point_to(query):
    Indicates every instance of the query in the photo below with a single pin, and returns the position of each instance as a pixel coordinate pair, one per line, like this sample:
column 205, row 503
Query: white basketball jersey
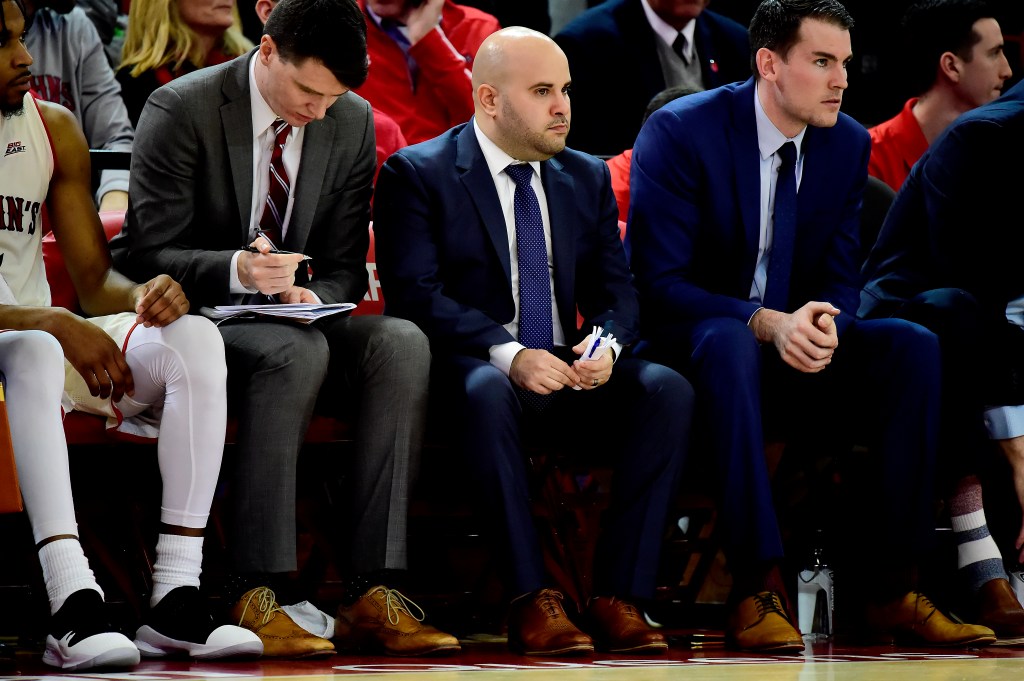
column 26, row 166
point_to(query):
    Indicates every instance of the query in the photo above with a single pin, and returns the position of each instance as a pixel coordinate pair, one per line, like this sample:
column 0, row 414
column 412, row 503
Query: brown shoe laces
column 550, row 602
column 921, row 598
column 769, row 602
column 266, row 604
column 397, row 604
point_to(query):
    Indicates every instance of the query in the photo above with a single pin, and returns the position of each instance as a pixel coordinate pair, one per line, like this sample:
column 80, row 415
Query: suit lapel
column 638, row 32
column 318, row 140
column 236, row 120
column 746, row 161
column 476, row 177
column 560, row 191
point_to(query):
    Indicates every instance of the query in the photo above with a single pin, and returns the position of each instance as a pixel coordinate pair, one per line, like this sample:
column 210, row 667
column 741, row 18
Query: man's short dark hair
column 933, row 27
column 665, row 96
column 331, row 31
column 776, row 23
column 21, row 8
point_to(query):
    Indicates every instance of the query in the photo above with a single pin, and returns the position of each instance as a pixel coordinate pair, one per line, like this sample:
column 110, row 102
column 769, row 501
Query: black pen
column 273, row 249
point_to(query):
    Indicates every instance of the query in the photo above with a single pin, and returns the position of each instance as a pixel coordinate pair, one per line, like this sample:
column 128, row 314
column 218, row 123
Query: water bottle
column 814, row 597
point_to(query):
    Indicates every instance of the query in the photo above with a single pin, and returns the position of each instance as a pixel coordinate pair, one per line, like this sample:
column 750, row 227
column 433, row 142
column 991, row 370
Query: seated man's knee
column 943, row 308
column 727, row 345
column 486, row 391
column 33, row 351
column 403, row 338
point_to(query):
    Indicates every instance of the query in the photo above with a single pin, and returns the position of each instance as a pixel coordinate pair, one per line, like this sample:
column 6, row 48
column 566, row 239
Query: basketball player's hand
column 159, row 301
column 297, row 294
column 95, row 356
column 541, row 372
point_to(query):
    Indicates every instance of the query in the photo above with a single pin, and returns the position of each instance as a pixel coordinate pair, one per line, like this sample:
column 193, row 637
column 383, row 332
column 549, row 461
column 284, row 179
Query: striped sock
column 65, row 571
column 978, row 557
column 179, row 560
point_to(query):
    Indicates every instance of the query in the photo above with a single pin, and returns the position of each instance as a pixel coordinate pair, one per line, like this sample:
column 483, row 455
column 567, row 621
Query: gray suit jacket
column 191, row 189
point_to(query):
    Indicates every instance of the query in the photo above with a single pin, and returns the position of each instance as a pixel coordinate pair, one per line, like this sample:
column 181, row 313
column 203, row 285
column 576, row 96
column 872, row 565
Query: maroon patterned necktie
column 272, row 220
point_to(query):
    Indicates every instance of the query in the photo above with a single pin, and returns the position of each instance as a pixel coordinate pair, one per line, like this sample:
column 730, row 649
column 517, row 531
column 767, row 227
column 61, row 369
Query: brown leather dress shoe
column 617, row 627
column 257, row 611
column 914, row 620
column 382, row 620
column 760, row 622
column 999, row 609
column 538, row 625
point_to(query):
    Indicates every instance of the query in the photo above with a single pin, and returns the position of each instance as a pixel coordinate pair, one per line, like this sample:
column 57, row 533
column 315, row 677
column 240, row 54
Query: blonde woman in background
column 169, row 38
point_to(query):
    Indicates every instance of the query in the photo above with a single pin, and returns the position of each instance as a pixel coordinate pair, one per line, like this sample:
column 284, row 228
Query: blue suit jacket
column 695, row 204
column 615, row 69
column 443, row 252
column 956, row 222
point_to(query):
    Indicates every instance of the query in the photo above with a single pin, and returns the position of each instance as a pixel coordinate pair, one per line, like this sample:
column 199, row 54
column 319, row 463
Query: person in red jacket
column 386, row 131
column 956, row 63
column 421, row 58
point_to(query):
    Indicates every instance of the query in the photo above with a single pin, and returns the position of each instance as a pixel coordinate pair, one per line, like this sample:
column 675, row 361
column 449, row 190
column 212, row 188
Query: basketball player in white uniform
column 137, row 360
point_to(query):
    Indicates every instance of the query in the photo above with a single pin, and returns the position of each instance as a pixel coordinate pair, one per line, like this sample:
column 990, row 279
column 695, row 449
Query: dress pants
column 982, row 366
column 379, row 366
column 640, row 420
column 881, row 389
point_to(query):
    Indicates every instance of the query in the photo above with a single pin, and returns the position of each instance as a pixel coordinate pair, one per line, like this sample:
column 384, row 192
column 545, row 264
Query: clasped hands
column 805, row 339
column 541, row 372
column 272, row 273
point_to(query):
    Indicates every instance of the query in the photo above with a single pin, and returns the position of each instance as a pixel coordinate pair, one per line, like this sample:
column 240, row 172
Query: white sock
column 179, row 561
column 65, row 571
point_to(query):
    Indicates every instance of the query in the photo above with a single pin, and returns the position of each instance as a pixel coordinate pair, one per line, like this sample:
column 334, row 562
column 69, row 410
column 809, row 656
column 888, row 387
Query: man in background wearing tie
column 743, row 236
column 642, row 47
column 273, row 143
column 491, row 237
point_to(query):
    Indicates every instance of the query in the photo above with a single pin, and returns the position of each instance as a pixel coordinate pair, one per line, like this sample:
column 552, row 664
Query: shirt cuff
column 502, row 355
column 616, row 349
column 1005, row 423
column 751, row 317
column 236, row 284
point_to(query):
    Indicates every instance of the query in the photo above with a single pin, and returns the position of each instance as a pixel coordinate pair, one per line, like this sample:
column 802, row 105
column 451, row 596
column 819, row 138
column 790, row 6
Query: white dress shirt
column 502, row 355
column 263, row 118
column 669, row 34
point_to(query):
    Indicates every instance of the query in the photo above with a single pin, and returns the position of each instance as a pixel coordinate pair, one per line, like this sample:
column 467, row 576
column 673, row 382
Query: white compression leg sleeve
column 33, row 365
column 181, row 367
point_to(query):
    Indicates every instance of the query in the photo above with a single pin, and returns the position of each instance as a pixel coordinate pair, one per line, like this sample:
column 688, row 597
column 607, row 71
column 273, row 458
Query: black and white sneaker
column 81, row 638
column 181, row 624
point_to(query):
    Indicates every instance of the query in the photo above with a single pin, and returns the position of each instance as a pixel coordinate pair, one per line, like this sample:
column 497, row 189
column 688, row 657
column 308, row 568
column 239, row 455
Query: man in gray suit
column 272, row 148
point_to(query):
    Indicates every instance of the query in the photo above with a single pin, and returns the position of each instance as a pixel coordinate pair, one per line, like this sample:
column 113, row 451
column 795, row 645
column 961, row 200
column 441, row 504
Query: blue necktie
column 780, row 264
column 535, row 325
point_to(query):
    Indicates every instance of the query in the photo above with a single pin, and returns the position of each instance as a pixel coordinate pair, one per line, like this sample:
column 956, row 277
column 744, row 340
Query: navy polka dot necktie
column 780, row 264
column 535, row 325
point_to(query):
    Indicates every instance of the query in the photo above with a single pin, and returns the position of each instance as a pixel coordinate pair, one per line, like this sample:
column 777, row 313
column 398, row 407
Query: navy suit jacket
column 615, row 69
column 443, row 253
column 695, row 210
column 956, row 222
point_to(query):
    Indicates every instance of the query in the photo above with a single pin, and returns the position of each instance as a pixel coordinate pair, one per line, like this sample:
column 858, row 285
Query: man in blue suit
column 638, row 48
column 948, row 257
column 490, row 238
column 745, row 210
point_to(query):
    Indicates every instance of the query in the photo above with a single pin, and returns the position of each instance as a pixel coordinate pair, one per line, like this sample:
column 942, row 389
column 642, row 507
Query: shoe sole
column 917, row 641
column 437, row 651
column 790, row 647
column 656, row 648
column 119, row 656
column 581, row 649
column 153, row 644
